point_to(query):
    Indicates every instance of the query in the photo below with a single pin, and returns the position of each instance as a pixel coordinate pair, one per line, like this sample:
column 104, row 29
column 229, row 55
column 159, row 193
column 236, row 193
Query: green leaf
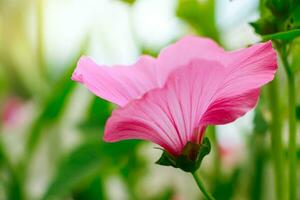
column 52, row 109
column 82, row 163
column 54, row 106
column 285, row 36
column 14, row 189
column 190, row 159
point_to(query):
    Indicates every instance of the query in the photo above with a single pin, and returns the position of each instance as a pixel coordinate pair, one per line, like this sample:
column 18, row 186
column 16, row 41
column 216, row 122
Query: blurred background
column 51, row 128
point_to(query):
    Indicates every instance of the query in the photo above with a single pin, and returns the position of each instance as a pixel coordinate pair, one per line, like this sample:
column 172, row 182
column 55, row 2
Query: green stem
column 292, row 126
column 207, row 195
column 259, row 161
column 292, row 138
column 40, row 36
column 276, row 139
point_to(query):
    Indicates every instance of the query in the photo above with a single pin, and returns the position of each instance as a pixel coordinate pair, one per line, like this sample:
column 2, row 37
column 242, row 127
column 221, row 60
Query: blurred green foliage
column 53, row 107
column 277, row 16
column 81, row 163
column 130, row 2
column 279, row 22
column 82, row 171
column 201, row 16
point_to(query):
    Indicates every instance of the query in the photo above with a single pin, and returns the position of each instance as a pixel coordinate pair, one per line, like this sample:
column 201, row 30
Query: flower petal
column 247, row 70
column 204, row 92
column 225, row 110
column 185, row 50
column 118, row 84
column 170, row 116
column 131, row 82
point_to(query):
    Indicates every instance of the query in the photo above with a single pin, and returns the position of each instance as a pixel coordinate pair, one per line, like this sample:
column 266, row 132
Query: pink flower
column 11, row 111
column 171, row 100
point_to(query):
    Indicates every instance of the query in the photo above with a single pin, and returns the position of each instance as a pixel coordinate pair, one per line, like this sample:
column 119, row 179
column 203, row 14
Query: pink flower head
column 171, row 99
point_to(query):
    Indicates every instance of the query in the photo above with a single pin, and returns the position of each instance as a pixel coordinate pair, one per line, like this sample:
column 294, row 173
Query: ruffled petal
column 117, row 84
column 170, row 116
column 121, row 84
column 184, row 51
column 225, row 110
column 247, row 70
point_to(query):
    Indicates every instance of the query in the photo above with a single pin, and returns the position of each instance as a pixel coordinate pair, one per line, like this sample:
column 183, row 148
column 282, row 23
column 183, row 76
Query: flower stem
column 292, row 125
column 292, row 138
column 276, row 139
column 207, row 195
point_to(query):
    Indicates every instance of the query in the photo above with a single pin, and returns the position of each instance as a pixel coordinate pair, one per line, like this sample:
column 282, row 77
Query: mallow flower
column 171, row 99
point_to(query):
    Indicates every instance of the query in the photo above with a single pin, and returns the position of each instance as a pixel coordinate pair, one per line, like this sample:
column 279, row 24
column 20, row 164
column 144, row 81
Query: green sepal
column 190, row 158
